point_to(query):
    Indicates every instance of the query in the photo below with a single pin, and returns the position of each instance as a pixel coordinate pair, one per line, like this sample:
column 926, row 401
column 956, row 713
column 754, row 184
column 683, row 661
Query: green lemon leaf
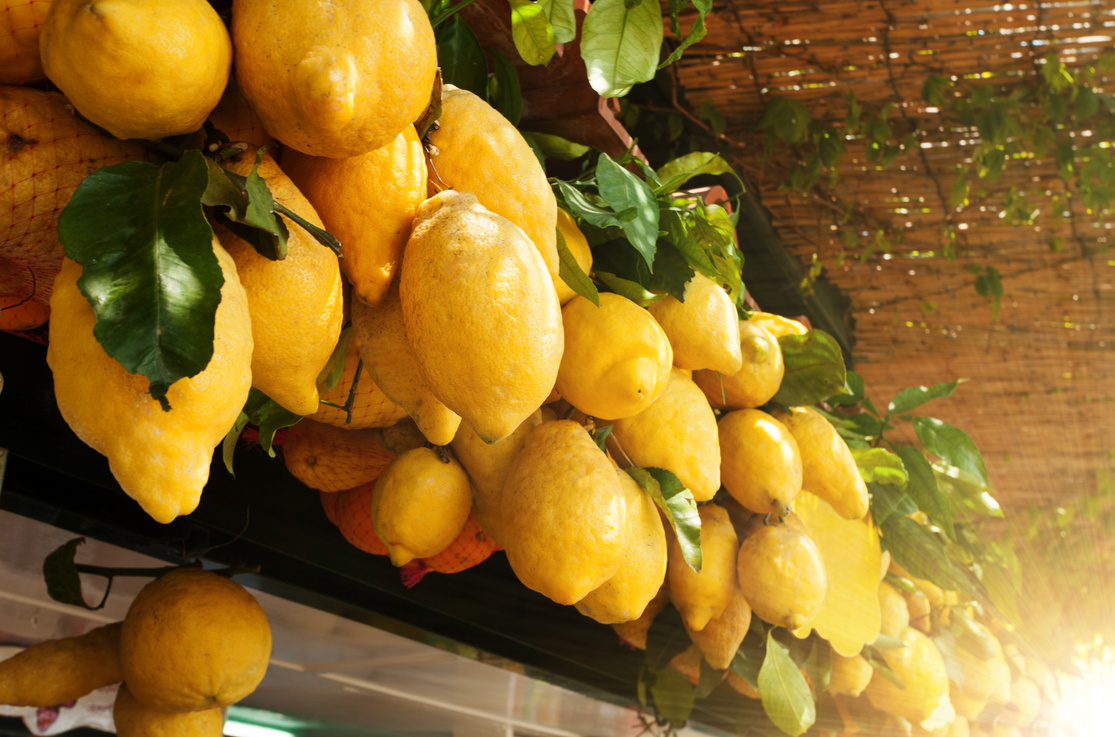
column 623, row 190
column 818, row 666
column 572, row 274
column 697, row 32
column 748, row 660
column 666, row 639
column 880, row 466
column 632, row 290
column 814, row 369
column 556, row 147
column 887, row 500
column 923, row 489
column 600, row 437
column 150, row 272
column 673, row 695
column 63, row 583
column 562, row 19
column 923, row 555
column 620, row 45
column 673, row 174
column 677, row 503
column 669, row 274
column 591, row 209
column 253, row 216
column 461, row 57
column 787, row 698
column 952, row 445
column 531, row 31
column 909, row 399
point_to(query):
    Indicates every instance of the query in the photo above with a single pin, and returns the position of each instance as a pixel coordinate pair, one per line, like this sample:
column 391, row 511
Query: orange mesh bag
column 471, row 547
column 370, row 406
column 49, row 151
column 354, row 519
column 20, row 21
column 329, row 458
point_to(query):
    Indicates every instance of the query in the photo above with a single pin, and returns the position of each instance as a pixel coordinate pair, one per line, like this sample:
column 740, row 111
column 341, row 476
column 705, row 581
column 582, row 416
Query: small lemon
column 849, row 675
column 719, row 640
column 921, row 669
column 757, row 380
column 895, row 614
column 676, row 432
column 138, row 69
column 760, row 464
column 617, row 358
column 563, row 513
column 420, row 503
column 781, row 572
column 828, row 468
column 577, row 244
column 704, row 329
column 703, row 596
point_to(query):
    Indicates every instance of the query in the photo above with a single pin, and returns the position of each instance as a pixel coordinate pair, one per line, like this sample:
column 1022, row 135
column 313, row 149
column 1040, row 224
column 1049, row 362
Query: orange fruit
column 353, row 510
column 329, row 458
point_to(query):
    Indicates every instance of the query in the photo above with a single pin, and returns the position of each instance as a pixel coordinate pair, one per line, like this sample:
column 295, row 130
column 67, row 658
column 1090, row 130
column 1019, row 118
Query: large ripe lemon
column 334, row 79
column 138, row 69
column 704, row 329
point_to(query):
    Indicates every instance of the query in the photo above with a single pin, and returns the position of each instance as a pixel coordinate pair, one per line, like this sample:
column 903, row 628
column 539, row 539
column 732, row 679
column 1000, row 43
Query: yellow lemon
column 676, row 432
column 921, row 669
column 420, row 503
column 334, row 79
column 479, row 151
column 719, row 640
column 388, row 356
column 704, row 329
column 194, row 640
column 563, row 513
column 895, row 615
column 849, row 675
column 138, row 69
column 577, row 244
column 757, row 380
column 56, row 671
column 133, row 719
column 624, row 596
column 160, row 459
column 490, row 345
column 487, row 465
column 368, row 202
column 760, row 464
column 828, row 468
column 634, row 633
column 296, row 303
column 617, row 358
column 777, row 325
column 702, row 596
column 781, row 572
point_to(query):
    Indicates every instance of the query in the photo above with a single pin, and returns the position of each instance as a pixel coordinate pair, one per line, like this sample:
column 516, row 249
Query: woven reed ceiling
column 1040, row 402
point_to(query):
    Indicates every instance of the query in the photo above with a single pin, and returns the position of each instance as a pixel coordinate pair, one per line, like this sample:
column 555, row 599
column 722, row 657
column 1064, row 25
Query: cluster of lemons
column 482, row 402
column 192, row 643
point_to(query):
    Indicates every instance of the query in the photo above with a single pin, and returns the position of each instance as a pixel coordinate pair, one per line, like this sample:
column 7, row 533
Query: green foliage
column 678, row 506
column 814, row 369
column 620, row 45
column 786, row 696
column 531, row 31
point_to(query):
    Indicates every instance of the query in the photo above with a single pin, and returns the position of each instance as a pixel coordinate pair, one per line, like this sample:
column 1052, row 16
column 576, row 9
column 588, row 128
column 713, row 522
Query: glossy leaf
column 923, row 489
column 669, row 274
column 887, row 500
column 562, row 19
column 531, row 31
column 673, row 695
column 461, row 57
column 150, row 272
column 251, row 214
column 598, row 214
column 677, row 503
column 696, row 33
column 923, row 555
column 570, row 272
column 814, row 369
column 556, row 147
column 909, row 399
column 620, row 45
column 880, row 466
column 787, row 698
column 622, row 190
column 673, row 174
column 952, row 445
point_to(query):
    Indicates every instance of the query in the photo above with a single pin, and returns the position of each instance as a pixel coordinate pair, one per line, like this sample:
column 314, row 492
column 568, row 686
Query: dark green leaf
column 509, row 95
column 150, row 271
column 909, row 399
column 556, row 147
column 531, row 31
column 259, row 224
column 232, row 437
column 461, row 57
column 622, row 190
column 581, row 207
column 632, row 290
column 562, row 19
column 933, row 90
column 887, row 500
column 697, row 32
column 818, row 667
column 673, row 174
column 922, row 488
column 600, row 437
column 570, row 272
column 676, row 502
column 951, row 445
column 923, row 555
column 672, row 692
column 814, row 369
column 853, row 393
column 1085, row 103
column 879, row 466
column 666, row 639
column 621, row 45
column 670, row 272
column 63, row 583
column 787, row 119
column 787, row 698
column 748, row 660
